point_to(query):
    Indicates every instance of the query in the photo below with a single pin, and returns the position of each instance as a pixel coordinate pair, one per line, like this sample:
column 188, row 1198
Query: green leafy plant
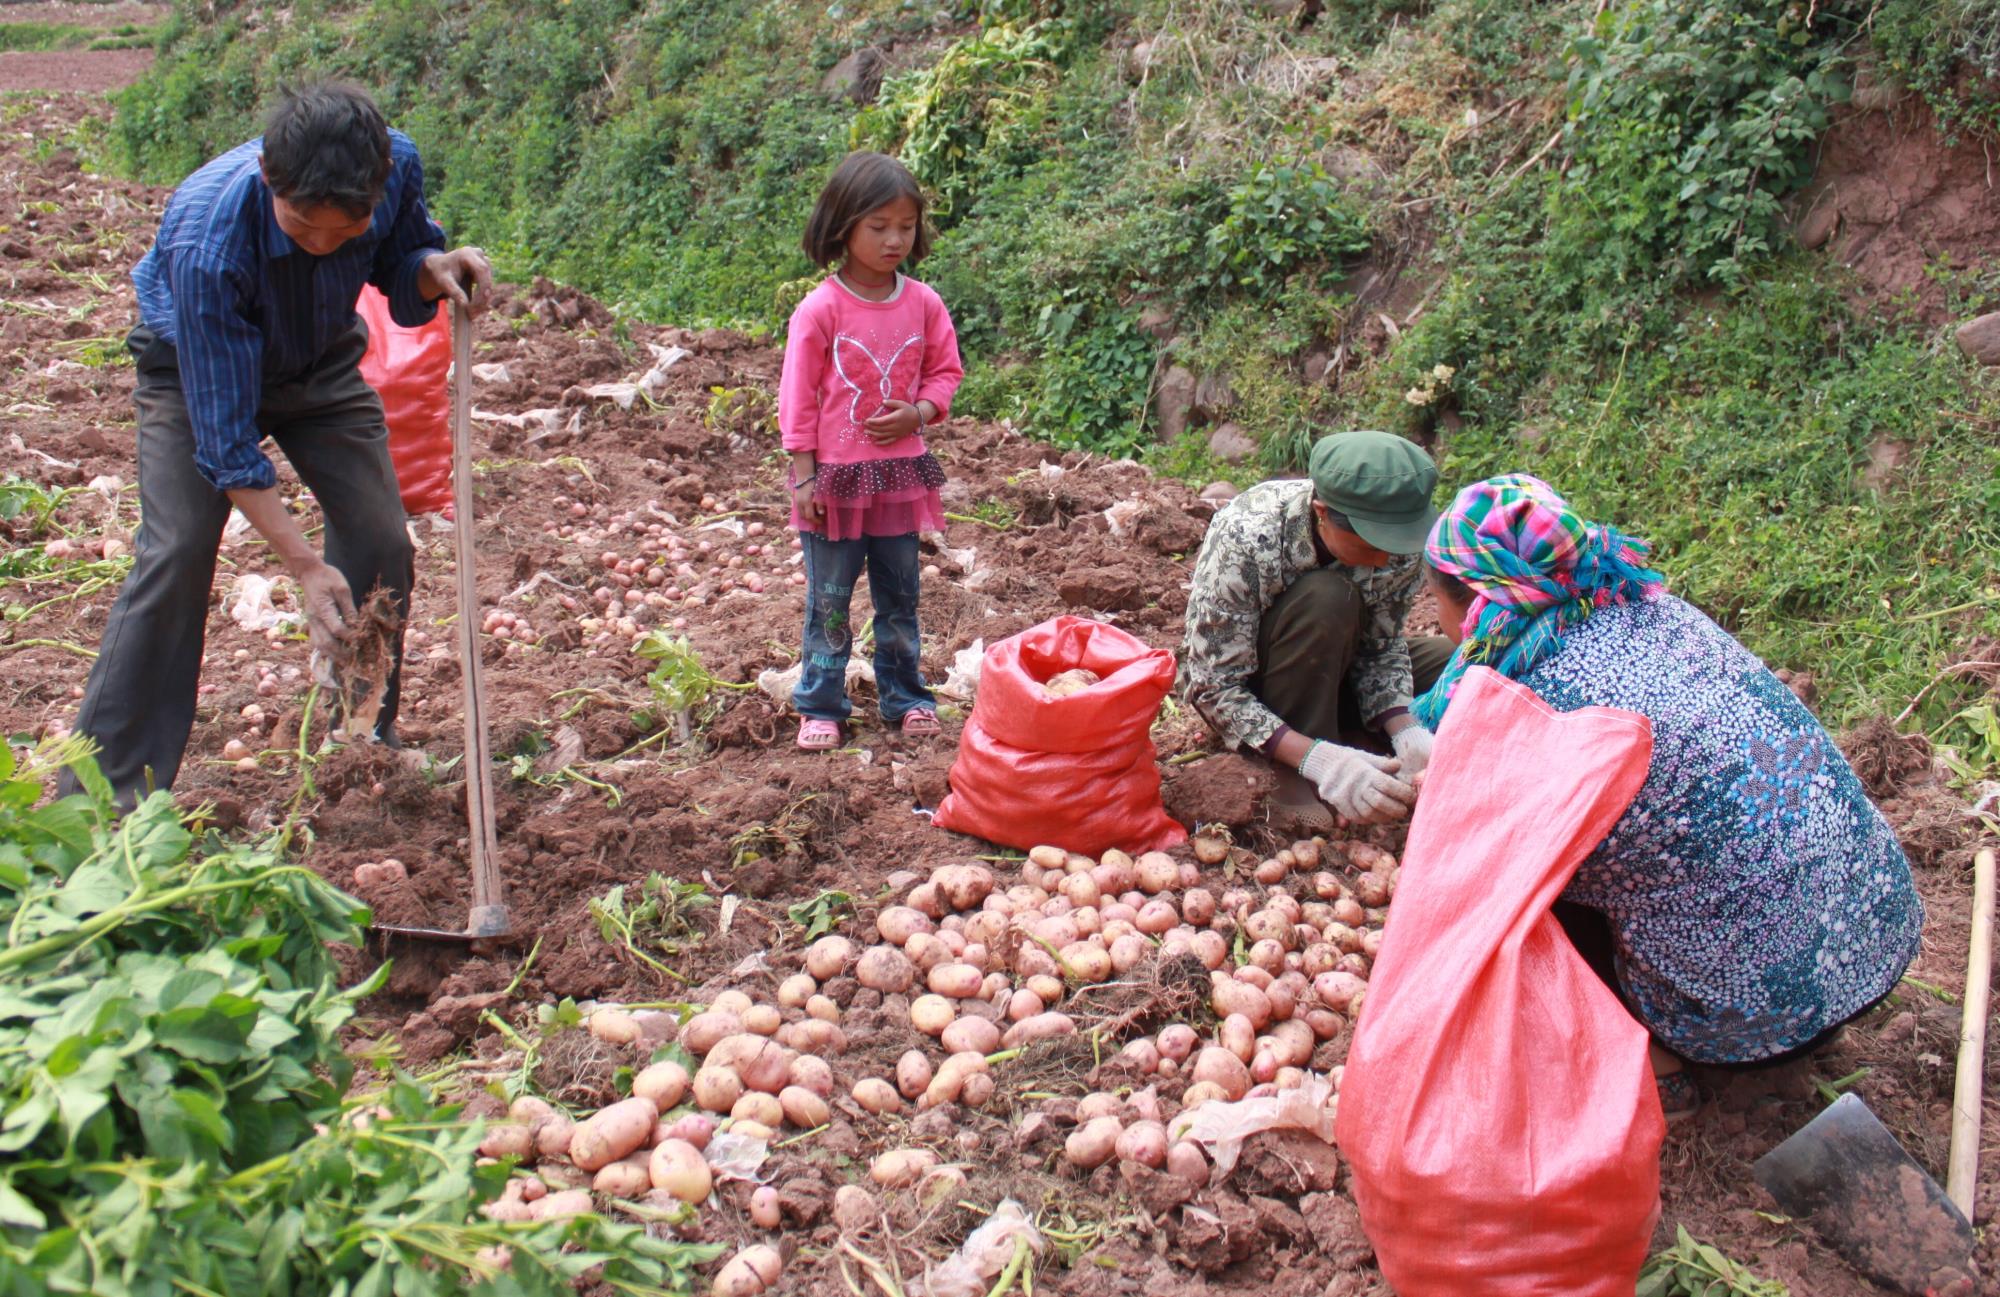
column 1969, row 744
column 938, row 118
column 681, row 685
column 1283, row 217
column 19, row 497
column 1692, row 1269
column 1689, row 121
column 660, row 915
column 819, row 915
column 171, row 1084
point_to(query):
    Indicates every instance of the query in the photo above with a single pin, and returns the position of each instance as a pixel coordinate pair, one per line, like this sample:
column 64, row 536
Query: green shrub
column 1689, row 120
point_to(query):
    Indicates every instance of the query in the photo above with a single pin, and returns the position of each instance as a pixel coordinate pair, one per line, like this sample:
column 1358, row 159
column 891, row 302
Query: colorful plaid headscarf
column 1536, row 570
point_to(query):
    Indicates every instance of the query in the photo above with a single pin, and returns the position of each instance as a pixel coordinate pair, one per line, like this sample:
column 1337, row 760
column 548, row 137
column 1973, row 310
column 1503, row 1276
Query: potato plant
column 171, row 1085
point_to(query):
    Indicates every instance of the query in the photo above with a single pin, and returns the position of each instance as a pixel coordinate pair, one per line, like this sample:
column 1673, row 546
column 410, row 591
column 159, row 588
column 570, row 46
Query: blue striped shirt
column 244, row 306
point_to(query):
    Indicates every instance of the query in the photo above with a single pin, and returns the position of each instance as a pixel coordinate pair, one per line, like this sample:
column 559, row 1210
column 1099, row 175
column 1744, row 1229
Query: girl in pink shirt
column 871, row 362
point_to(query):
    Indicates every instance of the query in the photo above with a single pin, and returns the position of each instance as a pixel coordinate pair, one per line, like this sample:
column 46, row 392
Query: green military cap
column 1381, row 483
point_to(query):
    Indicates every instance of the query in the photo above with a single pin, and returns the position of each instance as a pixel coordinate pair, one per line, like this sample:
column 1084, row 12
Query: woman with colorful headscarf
column 1751, row 900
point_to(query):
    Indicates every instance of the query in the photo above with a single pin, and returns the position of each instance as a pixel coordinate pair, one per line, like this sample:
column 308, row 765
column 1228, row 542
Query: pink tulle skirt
column 878, row 497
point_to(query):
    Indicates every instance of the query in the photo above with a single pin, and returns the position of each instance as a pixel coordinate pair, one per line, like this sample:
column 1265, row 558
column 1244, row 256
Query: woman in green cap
column 1750, row 900
column 1295, row 627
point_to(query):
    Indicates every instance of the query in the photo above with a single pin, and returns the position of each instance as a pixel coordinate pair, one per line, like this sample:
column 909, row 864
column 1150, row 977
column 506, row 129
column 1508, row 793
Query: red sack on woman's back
column 1078, row 772
column 1498, row 1111
column 410, row 370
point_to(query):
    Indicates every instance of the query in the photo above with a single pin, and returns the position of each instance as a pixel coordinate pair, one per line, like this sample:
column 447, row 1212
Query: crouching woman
column 1751, row 900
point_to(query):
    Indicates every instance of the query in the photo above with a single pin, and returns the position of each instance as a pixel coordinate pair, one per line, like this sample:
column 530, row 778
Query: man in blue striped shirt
column 248, row 330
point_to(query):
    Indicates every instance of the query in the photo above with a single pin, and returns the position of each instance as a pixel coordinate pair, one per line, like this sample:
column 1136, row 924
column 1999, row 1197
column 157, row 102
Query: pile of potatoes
column 988, row 967
column 984, row 969
column 628, row 1150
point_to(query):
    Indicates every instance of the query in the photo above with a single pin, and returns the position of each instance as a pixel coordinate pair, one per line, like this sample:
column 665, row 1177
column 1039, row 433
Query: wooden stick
column 1963, row 1172
column 489, row 913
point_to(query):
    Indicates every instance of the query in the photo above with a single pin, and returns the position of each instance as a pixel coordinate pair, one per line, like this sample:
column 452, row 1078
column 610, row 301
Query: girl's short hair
column 860, row 184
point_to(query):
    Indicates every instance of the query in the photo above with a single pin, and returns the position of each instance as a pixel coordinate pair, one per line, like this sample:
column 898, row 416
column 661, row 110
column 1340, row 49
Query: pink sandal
column 919, row 723
column 818, row 735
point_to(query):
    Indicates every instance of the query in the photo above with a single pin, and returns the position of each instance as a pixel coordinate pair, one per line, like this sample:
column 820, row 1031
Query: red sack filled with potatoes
column 1498, row 1112
column 1077, row 771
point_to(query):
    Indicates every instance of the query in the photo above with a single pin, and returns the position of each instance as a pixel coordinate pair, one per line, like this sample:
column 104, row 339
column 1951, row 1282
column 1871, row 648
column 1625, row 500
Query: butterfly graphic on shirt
column 871, row 381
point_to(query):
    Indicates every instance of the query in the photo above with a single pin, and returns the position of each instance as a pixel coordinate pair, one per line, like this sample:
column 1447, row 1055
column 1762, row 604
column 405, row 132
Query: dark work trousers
column 1305, row 645
column 140, row 702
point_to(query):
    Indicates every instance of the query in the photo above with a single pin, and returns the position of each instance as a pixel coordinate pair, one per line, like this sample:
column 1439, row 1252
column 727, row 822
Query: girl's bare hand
column 805, row 498
column 897, row 420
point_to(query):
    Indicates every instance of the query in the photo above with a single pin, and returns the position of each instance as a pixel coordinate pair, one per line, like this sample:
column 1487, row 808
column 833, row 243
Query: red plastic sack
column 1498, row 1110
column 1078, row 772
column 410, row 369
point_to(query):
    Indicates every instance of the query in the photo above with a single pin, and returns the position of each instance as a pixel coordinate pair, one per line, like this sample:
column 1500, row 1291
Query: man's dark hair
column 326, row 145
column 860, row 184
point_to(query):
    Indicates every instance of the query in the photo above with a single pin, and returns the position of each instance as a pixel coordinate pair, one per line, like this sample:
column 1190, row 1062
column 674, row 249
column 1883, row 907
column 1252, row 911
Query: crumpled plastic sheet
column 1221, row 1127
column 986, row 1252
column 735, row 1156
column 777, row 685
column 961, row 682
column 1119, row 517
column 543, row 421
column 492, row 373
column 623, row 395
column 251, row 605
column 654, row 380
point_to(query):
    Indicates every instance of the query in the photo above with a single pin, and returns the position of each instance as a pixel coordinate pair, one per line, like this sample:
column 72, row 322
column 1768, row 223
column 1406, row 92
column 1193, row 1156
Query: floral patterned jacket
column 1757, row 897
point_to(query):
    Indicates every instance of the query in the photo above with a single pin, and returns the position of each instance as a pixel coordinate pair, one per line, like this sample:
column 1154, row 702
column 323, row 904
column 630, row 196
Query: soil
column 1892, row 199
column 592, row 795
column 73, row 71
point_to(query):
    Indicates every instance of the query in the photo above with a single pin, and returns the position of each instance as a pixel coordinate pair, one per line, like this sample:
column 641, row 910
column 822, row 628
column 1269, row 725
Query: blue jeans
column 832, row 568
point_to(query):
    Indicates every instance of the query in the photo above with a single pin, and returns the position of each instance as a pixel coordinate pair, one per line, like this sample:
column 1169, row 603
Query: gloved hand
column 1413, row 748
column 1359, row 786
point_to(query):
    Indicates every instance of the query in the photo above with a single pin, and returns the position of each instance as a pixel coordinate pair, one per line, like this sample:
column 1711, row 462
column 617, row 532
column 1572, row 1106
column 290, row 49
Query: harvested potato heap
column 987, row 972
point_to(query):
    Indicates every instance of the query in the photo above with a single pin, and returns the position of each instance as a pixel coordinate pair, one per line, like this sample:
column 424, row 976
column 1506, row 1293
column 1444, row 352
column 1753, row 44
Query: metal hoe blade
column 1846, row 1176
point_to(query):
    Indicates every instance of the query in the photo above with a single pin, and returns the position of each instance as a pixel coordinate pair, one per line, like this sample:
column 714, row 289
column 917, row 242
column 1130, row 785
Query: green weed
column 1693, row 1269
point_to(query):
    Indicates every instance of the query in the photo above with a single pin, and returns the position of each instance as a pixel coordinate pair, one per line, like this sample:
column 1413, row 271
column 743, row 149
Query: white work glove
column 1413, row 748
column 1359, row 786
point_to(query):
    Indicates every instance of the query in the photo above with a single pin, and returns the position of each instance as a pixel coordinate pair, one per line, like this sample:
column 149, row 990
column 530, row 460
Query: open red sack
column 1078, row 772
column 410, row 369
column 1498, row 1111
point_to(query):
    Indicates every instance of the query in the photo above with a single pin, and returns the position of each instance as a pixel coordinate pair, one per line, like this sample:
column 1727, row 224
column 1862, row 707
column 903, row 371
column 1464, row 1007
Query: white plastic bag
column 961, row 682
column 1221, row 1127
column 251, row 606
column 988, row 1250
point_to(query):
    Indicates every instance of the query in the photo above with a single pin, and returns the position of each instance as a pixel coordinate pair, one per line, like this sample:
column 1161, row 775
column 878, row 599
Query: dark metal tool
column 1846, row 1176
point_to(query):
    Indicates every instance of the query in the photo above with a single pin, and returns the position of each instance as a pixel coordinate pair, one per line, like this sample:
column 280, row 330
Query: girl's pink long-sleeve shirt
column 845, row 356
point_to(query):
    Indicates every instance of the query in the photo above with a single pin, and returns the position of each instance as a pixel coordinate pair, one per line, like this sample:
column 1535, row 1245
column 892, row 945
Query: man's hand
column 898, row 419
column 1358, row 785
column 462, row 276
column 328, row 603
column 1413, row 748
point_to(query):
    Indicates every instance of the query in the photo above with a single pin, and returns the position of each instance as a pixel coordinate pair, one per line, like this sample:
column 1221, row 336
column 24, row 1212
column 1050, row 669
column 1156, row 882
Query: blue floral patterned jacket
column 1757, row 897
